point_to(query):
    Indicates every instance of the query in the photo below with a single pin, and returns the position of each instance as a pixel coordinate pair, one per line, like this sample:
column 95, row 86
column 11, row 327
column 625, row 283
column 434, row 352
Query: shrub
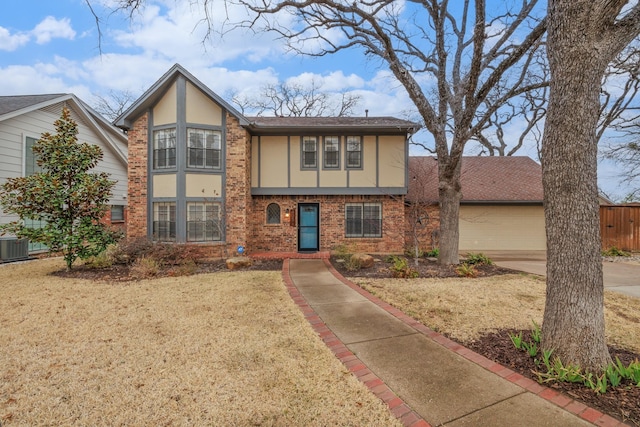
column 352, row 263
column 613, row 251
column 343, row 252
column 145, row 268
column 466, row 270
column 187, row 268
column 103, row 260
column 411, row 253
column 478, row 259
column 433, row 253
column 166, row 254
column 401, row 269
column 127, row 251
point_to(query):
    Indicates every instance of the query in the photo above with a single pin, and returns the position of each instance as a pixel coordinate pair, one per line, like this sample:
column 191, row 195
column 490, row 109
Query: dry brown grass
column 219, row 349
column 465, row 308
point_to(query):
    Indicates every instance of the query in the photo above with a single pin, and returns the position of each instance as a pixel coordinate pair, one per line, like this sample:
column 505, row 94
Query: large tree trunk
column 449, row 192
column 574, row 312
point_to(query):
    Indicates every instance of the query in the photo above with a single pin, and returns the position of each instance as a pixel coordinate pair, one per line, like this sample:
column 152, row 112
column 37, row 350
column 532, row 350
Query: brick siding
column 238, row 184
column 137, row 176
column 284, row 237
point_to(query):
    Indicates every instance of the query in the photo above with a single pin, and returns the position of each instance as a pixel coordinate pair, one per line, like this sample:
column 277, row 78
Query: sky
column 57, row 47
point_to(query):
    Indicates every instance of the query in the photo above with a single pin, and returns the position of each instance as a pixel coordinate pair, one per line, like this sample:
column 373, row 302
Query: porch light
column 286, row 213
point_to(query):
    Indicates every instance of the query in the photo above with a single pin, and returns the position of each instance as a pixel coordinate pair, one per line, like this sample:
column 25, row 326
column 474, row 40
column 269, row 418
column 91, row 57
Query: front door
column 308, row 226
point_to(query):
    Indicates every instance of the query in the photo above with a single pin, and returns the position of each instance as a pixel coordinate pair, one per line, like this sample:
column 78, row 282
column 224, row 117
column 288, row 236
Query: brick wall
column 121, row 225
column 137, row 176
column 283, row 237
column 238, row 184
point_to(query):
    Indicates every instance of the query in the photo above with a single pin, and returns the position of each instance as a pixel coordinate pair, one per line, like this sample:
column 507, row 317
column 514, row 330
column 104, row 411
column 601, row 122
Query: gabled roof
column 9, row 104
column 506, row 180
column 328, row 124
column 157, row 90
column 14, row 106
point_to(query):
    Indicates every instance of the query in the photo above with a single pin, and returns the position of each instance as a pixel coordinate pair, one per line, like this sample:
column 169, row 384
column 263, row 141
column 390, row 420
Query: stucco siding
column 201, row 109
column 392, row 158
column 367, row 177
column 166, row 110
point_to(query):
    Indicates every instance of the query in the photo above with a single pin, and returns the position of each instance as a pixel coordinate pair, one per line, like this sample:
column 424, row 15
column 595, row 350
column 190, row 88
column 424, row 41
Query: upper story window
column 354, row 152
column 331, row 152
column 309, row 152
column 204, row 148
column 164, row 148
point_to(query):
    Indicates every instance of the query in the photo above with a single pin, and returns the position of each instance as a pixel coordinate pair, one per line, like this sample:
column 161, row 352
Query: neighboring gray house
column 23, row 119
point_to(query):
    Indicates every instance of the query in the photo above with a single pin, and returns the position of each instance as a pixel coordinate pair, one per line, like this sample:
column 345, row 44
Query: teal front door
column 308, row 227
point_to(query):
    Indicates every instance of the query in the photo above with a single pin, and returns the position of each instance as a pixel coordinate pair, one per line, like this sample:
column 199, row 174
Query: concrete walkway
column 425, row 378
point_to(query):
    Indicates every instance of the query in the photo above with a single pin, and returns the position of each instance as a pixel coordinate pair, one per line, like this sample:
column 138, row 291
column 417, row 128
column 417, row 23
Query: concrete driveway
column 623, row 277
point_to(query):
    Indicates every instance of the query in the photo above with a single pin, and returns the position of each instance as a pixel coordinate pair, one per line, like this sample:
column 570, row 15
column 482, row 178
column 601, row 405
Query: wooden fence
column 620, row 227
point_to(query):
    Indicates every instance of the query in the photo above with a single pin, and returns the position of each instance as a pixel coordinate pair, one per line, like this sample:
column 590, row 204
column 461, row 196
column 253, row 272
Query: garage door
column 502, row 228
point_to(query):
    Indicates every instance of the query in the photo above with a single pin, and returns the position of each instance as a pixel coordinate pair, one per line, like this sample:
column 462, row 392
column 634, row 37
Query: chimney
column 366, row 113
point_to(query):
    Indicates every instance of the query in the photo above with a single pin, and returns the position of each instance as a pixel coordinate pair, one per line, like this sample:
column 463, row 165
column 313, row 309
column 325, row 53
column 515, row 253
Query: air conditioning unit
column 13, row 249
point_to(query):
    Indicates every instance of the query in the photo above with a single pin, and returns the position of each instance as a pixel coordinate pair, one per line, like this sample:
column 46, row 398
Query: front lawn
column 209, row 349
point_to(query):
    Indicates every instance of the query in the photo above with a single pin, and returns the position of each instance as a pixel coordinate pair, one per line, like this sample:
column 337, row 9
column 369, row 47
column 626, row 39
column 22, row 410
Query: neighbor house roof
column 9, row 104
column 14, row 106
column 507, row 179
column 328, row 124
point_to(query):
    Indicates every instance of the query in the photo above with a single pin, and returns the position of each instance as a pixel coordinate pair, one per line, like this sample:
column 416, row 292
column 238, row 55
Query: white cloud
column 10, row 42
column 181, row 32
column 51, row 28
column 38, row 79
column 334, row 81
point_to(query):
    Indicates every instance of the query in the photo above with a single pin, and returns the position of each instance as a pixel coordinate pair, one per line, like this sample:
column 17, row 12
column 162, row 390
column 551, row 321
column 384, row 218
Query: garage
column 502, row 227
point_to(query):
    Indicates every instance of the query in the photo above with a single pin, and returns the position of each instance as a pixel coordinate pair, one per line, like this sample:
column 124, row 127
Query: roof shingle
column 9, row 104
column 510, row 179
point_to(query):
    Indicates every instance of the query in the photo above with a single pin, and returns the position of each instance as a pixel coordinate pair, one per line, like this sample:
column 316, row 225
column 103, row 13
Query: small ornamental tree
column 65, row 196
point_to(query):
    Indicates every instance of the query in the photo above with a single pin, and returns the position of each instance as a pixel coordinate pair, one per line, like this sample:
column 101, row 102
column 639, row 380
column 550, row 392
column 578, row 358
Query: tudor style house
column 200, row 172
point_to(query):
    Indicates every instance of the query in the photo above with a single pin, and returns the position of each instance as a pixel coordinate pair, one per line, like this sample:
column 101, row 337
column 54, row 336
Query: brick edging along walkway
column 397, row 406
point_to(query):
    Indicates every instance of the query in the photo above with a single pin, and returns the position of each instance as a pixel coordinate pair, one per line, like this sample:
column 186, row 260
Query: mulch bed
column 622, row 403
column 427, row 267
column 122, row 272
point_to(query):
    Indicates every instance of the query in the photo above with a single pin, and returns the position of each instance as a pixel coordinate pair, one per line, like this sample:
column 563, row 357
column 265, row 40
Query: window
column 164, row 221
column 354, row 152
column 117, row 213
column 164, row 149
column 363, row 219
column 203, row 222
column 309, row 152
column 31, row 165
column 273, row 213
column 331, row 152
column 204, row 148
